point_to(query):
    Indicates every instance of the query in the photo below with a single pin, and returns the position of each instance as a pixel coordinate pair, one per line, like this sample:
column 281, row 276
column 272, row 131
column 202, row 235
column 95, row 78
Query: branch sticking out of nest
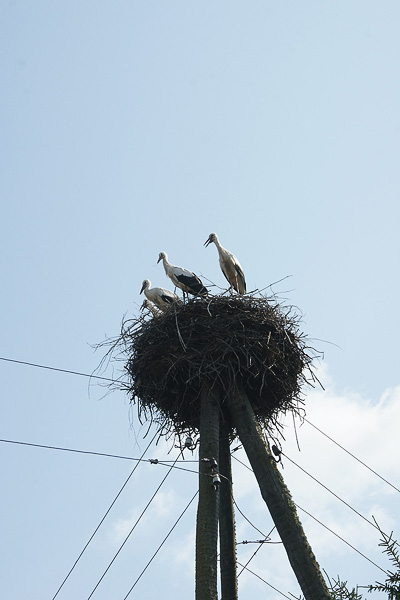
column 223, row 341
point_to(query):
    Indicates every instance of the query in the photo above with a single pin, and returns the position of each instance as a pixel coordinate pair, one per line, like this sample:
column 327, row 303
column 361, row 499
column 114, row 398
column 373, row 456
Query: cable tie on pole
column 236, row 449
column 216, row 480
column 213, row 463
column 266, row 541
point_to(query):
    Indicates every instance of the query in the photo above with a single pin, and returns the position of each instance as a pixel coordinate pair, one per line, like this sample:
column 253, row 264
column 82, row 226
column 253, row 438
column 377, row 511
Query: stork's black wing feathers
column 167, row 298
column 225, row 275
column 192, row 283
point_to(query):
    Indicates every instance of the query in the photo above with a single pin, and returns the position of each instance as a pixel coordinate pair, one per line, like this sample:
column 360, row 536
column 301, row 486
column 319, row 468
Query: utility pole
column 207, row 512
column 227, row 532
column 225, row 366
column 278, row 499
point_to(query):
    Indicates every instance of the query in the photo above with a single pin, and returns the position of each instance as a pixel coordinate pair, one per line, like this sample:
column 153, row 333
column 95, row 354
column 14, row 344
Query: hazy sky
column 133, row 127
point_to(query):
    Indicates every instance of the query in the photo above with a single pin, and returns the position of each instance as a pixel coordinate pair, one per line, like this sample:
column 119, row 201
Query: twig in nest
column 225, row 341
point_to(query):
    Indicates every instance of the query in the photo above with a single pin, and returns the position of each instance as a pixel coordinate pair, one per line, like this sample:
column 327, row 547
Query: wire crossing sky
column 138, row 128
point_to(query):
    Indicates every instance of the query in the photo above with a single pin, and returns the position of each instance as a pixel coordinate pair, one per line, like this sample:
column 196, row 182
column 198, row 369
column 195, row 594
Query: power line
column 352, row 455
column 46, row 447
column 244, row 567
column 23, row 362
column 173, row 466
column 156, row 461
column 162, row 543
column 261, row 543
column 343, row 540
column 153, row 461
column 141, row 459
column 330, row 491
column 263, row 580
column 326, row 527
column 131, row 531
column 102, row 520
column 252, row 524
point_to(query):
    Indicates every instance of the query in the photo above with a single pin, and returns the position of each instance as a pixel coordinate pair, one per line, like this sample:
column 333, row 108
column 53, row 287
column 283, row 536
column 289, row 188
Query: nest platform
column 223, row 341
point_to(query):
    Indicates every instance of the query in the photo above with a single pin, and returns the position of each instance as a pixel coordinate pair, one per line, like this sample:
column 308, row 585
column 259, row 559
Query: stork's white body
column 230, row 265
column 186, row 280
column 161, row 297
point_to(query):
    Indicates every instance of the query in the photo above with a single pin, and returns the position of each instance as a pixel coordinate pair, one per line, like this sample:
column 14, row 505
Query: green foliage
column 339, row 591
column 392, row 584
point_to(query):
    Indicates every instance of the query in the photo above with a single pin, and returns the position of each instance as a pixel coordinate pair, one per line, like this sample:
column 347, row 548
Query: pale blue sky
column 134, row 127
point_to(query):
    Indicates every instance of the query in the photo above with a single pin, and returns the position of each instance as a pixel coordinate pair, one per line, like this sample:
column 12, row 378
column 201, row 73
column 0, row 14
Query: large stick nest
column 229, row 341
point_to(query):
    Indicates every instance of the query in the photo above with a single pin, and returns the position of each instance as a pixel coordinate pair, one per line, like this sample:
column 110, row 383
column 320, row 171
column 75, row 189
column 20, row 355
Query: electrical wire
column 153, row 461
column 141, row 459
column 174, row 466
column 331, row 492
column 131, row 531
column 342, row 539
column 102, row 520
column 46, row 447
column 248, row 520
column 261, row 543
column 326, row 488
column 264, row 581
column 325, row 526
column 162, row 543
column 21, row 362
column 352, row 455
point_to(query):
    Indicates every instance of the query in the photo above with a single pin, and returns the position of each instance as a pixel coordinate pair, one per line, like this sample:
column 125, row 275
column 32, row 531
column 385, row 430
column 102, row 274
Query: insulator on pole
column 216, row 481
column 277, row 452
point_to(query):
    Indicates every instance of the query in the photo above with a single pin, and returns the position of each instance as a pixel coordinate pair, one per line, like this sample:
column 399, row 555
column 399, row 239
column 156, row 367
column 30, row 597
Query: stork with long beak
column 186, row 280
column 229, row 264
column 161, row 297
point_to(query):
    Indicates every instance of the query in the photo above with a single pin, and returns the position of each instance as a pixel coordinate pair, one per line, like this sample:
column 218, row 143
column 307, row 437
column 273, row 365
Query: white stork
column 161, row 297
column 185, row 280
column 230, row 265
column 156, row 312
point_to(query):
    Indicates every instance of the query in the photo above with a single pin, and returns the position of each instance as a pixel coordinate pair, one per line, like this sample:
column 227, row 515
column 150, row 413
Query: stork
column 229, row 264
column 185, row 280
column 156, row 312
column 161, row 297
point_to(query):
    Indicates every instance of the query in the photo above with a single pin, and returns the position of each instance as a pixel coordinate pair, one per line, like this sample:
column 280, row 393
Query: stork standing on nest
column 185, row 280
column 230, row 265
column 161, row 297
